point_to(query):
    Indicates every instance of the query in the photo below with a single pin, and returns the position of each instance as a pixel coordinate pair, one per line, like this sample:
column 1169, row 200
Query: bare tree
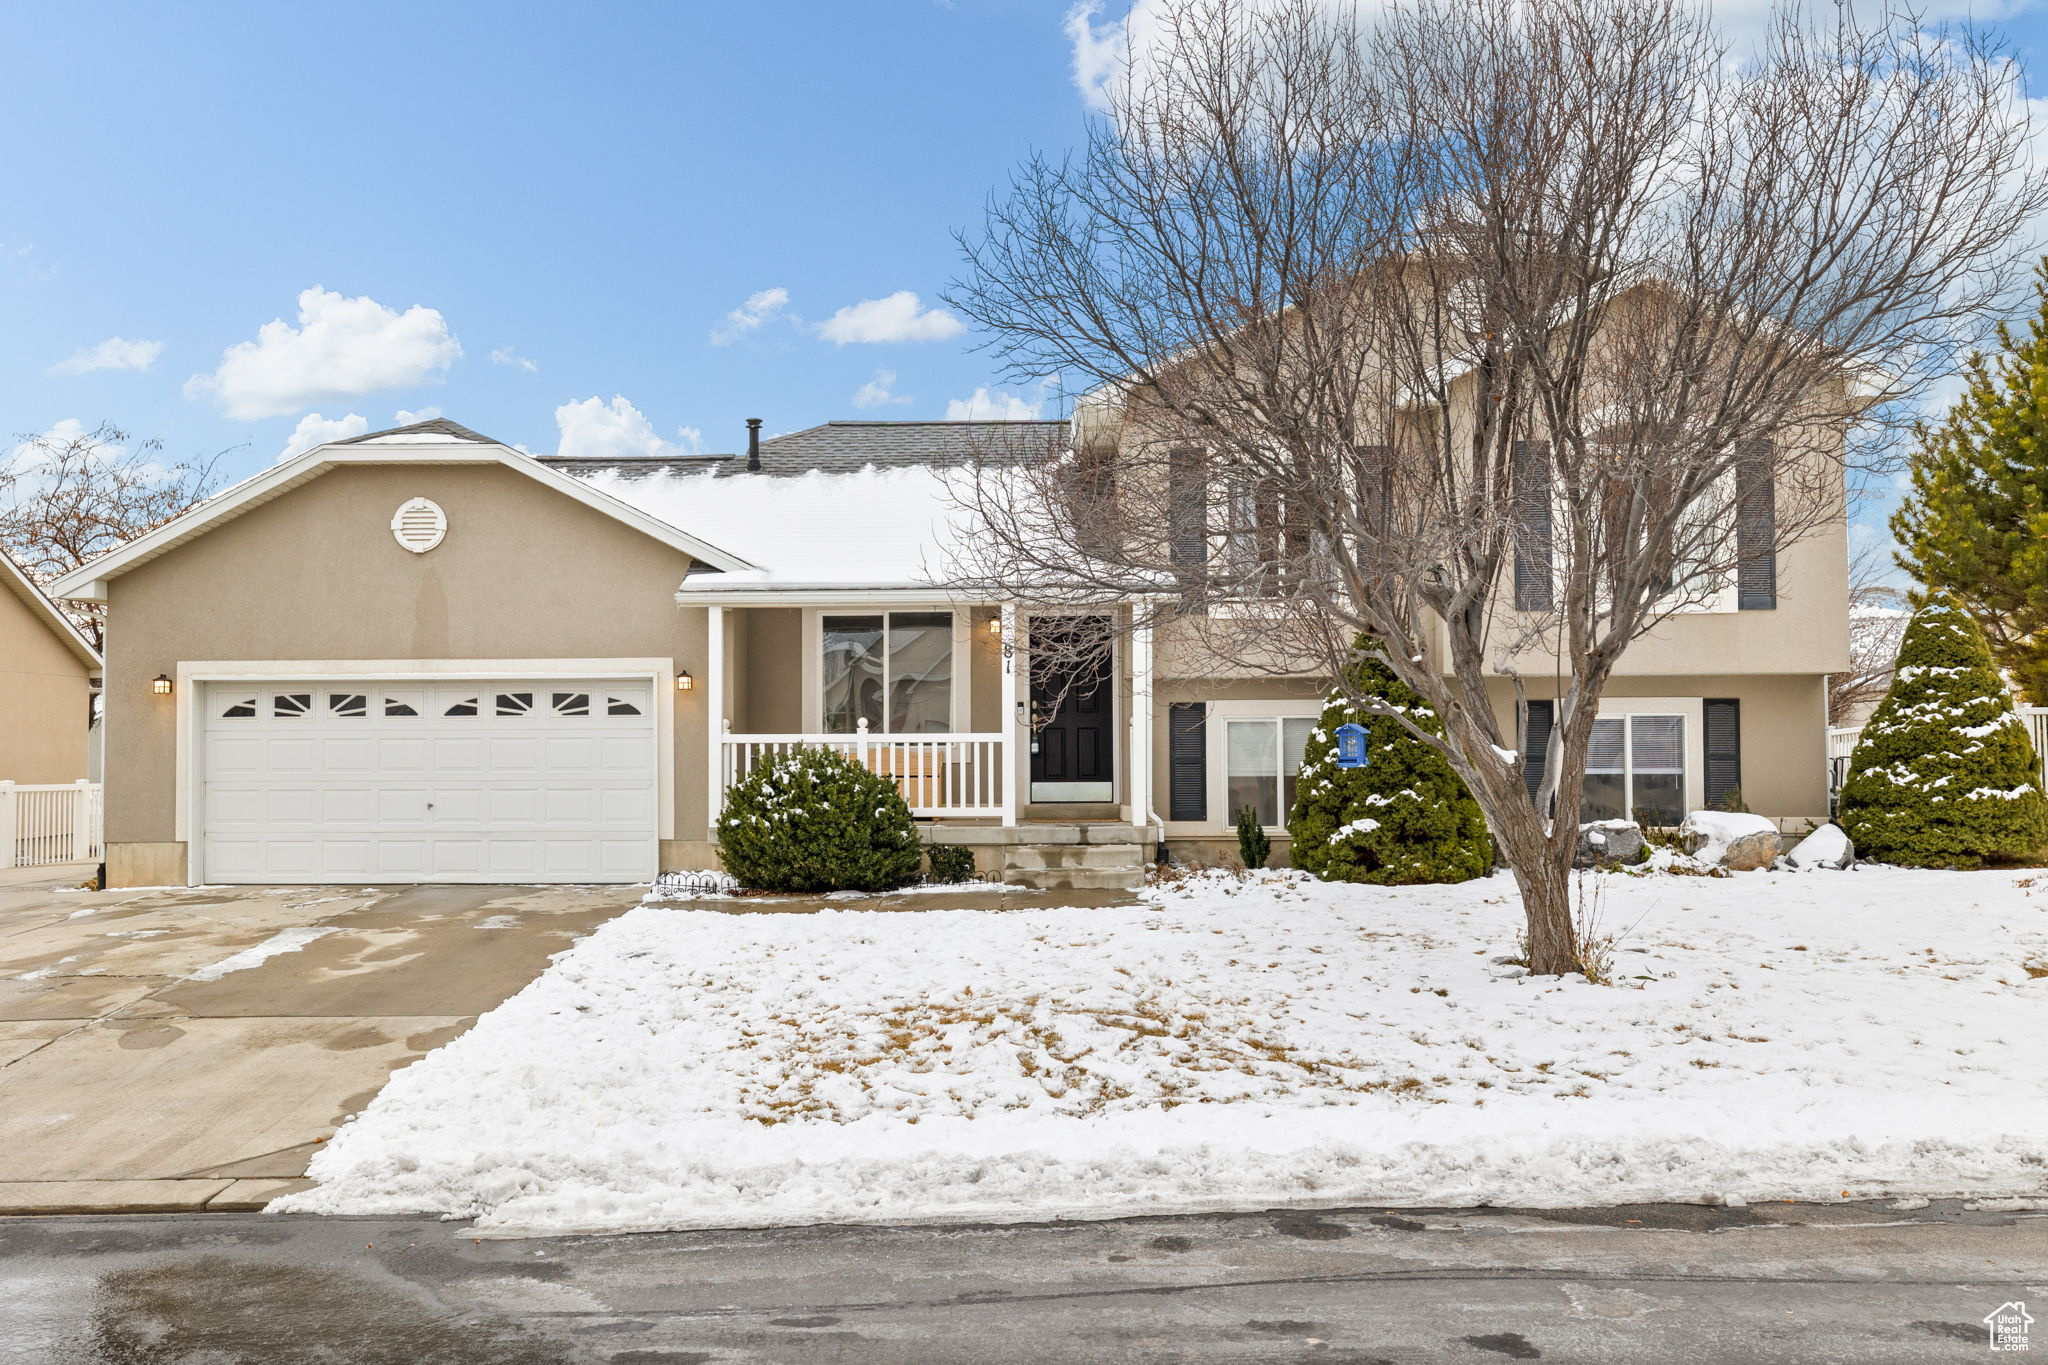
column 1497, row 331
column 1878, row 613
column 67, row 496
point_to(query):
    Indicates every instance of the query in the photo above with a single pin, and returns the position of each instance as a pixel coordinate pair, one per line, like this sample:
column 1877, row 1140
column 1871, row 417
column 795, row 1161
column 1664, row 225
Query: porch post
column 1012, row 654
column 1140, row 745
column 714, row 713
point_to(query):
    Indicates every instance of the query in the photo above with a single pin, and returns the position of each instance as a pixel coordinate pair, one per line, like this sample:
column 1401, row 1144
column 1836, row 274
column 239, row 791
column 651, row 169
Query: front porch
column 939, row 697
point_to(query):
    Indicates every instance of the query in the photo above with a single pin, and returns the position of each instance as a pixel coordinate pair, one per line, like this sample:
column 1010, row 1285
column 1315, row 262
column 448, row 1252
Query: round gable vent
column 419, row 525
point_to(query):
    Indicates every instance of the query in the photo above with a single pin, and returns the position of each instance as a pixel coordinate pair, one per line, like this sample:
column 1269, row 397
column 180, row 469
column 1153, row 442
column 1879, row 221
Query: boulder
column 1826, row 846
column 1609, row 841
column 1730, row 839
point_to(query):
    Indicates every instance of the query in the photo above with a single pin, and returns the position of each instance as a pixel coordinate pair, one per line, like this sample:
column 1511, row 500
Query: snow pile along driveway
column 1237, row 1044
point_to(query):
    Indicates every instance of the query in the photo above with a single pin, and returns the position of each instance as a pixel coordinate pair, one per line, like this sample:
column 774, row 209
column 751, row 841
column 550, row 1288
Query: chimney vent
column 753, row 445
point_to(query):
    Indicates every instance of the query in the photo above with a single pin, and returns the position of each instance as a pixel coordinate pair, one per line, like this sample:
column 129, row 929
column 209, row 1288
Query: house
column 48, row 671
column 423, row 655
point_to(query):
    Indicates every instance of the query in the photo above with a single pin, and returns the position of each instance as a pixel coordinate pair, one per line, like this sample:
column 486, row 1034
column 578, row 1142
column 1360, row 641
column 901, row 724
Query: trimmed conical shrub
column 812, row 820
column 1404, row 818
column 1944, row 775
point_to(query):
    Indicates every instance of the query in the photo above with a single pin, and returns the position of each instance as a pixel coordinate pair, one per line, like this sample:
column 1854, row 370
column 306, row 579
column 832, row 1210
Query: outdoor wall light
column 995, row 625
column 684, row 682
column 161, row 684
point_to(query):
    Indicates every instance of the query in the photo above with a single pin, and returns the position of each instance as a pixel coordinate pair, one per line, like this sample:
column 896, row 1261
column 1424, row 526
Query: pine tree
column 1944, row 775
column 1976, row 523
column 1404, row 818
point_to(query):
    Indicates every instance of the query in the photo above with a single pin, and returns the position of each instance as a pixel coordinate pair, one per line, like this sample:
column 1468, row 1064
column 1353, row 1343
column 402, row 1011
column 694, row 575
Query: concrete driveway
column 185, row 1049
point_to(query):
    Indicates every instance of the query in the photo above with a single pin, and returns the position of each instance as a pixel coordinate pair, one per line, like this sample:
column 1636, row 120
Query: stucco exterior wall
column 524, row 573
column 45, row 694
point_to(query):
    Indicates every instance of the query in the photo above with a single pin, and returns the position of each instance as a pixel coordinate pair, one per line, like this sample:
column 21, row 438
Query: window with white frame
column 1262, row 758
column 1635, row 769
column 894, row 670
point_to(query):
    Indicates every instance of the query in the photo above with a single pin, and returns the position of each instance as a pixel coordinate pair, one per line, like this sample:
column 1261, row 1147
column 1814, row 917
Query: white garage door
column 514, row 781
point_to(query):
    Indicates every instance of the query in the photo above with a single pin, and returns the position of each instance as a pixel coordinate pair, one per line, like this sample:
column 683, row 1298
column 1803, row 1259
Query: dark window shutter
column 1723, row 746
column 1187, row 510
column 1187, row 761
column 1532, row 526
column 1756, row 528
column 1536, row 725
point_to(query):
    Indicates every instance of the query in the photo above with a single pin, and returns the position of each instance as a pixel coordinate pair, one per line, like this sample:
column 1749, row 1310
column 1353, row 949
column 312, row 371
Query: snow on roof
column 875, row 528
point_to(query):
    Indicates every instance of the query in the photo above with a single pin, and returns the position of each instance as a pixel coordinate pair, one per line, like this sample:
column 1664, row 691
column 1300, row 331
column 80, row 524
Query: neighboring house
column 47, row 671
column 422, row 655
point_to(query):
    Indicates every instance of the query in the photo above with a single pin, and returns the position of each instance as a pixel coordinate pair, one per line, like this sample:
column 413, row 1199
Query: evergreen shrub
column 813, row 820
column 1403, row 819
column 1944, row 774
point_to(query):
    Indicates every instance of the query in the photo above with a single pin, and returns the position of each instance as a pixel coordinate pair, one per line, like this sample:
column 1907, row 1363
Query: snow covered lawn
column 1238, row 1044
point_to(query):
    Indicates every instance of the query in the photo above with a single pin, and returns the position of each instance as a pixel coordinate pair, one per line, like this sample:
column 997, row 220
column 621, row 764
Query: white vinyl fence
column 1842, row 743
column 40, row 825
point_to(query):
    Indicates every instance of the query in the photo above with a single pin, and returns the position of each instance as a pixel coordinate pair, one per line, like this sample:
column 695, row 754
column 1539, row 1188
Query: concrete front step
column 1037, row 857
column 1076, row 878
column 985, row 836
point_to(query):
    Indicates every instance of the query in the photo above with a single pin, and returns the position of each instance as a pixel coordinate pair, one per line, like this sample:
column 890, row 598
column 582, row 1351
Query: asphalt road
column 1852, row 1283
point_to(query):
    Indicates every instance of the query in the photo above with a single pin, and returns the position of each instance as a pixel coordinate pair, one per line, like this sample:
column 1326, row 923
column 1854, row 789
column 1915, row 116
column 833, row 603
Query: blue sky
column 541, row 220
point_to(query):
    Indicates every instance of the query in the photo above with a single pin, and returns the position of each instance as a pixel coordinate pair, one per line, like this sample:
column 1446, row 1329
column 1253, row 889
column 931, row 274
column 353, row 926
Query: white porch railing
column 939, row 775
column 40, row 825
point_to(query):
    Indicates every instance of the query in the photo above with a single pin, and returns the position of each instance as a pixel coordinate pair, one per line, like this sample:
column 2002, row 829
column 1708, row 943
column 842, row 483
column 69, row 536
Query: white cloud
column 899, row 317
column 115, row 353
column 505, row 355
column 342, row 348
column 995, row 405
column 879, row 392
column 593, row 429
column 405, row 418
column 315, row 430
column 762, row 307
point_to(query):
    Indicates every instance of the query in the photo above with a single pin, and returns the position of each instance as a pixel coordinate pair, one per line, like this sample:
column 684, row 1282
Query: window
column 1635, row 770
column 619, row 706
column 571, row 703
column 1261, row 760
column 398, row 706
column 465, row 707
column 895, row 672
column 353, row 704
column 514, row 703
column 291, row 703
column 243, row 708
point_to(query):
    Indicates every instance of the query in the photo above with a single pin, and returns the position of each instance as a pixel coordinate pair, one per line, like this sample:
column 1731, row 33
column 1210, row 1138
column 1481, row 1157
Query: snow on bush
column 1404, row 818
column 1944, row 774
column 812, row 820
column 1234, row 1043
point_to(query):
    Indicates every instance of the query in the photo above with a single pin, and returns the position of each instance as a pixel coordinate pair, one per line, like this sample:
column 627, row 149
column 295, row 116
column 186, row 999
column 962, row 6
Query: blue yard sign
column 1351, row 746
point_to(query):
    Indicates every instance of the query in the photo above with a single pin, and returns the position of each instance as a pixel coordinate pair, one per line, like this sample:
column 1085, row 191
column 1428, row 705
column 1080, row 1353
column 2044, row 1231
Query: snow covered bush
column 813, row 820
column 1404, row 818
column 1944, row 775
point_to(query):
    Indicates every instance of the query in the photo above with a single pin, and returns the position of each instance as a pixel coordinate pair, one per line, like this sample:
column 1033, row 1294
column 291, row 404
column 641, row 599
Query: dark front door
column 1073, row 711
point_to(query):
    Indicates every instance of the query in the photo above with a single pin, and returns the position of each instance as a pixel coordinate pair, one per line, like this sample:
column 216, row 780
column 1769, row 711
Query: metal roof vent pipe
column 753, row 445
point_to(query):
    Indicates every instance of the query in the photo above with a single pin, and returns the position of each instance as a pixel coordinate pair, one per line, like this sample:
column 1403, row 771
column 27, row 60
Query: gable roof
column 845, row 447
column 428, row 432
column 448, row 444
column 13, row 576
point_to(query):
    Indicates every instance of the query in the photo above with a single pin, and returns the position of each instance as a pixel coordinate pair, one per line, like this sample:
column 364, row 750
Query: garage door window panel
column 290, row 705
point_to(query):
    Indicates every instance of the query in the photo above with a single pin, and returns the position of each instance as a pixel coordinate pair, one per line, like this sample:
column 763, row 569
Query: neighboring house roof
column 844, row 447
column 436, row 442
column 13, row 576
